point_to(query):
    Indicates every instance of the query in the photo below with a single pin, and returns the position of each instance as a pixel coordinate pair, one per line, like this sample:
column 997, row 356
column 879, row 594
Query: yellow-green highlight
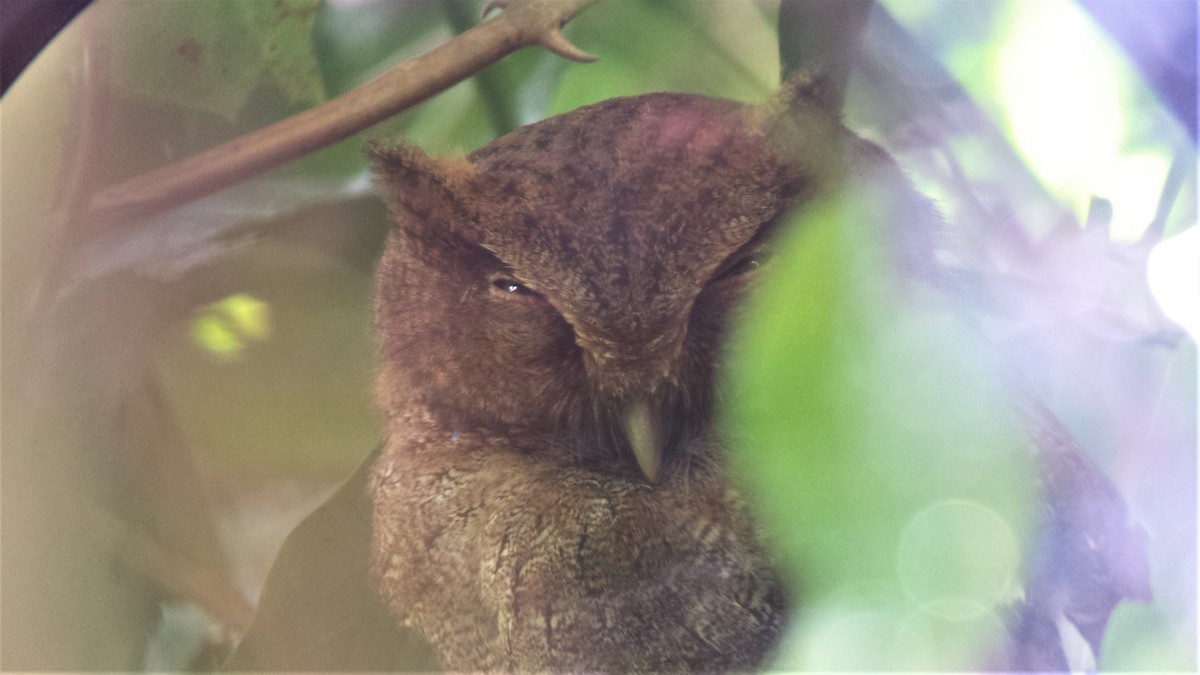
column 227, row 327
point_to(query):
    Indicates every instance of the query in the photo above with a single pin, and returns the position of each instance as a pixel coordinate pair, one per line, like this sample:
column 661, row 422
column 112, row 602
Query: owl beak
column 644, row 434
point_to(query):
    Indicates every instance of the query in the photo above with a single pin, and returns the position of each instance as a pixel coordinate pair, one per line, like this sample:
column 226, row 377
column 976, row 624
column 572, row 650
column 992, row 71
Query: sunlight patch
column 1065, row 90
column 227, row 327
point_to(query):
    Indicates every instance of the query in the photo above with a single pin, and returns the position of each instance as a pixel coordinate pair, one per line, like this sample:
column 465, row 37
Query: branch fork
column 552, row 39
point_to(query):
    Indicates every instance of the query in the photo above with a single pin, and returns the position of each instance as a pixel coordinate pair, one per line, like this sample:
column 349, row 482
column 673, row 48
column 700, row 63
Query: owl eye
column 741, row 266
column 511, row 288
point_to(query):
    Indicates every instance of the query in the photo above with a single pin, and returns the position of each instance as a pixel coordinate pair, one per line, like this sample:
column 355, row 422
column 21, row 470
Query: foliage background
column 180, row 390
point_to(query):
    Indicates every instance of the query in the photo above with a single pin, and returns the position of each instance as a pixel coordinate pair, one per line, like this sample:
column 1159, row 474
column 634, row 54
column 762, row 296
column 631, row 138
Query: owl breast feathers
column 551, row 310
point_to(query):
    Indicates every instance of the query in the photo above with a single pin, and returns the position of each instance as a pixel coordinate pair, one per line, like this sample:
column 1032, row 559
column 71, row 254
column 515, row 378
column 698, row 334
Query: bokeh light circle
column 957, row 559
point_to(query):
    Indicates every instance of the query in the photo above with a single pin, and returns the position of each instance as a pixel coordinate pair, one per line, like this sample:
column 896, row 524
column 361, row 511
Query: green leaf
column 319, row 610
column 722, row 49
column 210, row 55
column 889, row 468
column 291, row 62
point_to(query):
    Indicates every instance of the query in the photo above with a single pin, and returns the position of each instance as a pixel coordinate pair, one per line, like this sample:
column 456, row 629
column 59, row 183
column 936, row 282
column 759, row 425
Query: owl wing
column 319, row 610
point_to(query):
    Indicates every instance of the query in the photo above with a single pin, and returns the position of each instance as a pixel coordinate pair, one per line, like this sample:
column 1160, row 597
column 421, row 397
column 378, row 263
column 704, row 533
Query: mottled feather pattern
column 531, row 563
column 530, row 295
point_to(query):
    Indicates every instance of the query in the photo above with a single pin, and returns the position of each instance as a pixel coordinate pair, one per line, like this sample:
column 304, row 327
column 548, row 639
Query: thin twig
column 523, row 23
column 1181, row 166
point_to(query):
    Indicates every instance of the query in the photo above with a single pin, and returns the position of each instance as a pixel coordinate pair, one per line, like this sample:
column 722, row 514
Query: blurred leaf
column 210, row 54
column 71, row 602
column 310, row 380
column 288, row 48
column 723, row 49
column 1068, row 306
column 1146, row 638
column 319, row 610
column 168, row 245
column 179, row 639
column 880, row 447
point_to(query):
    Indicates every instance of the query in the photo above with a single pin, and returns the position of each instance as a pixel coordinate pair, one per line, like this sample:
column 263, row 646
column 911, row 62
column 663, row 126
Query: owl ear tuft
column 808, row 100
column 811, row 87
column 421, row 190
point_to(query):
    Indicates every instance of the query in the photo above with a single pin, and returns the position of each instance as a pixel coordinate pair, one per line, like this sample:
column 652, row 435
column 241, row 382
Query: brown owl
column 551, row 309
column 552, row 492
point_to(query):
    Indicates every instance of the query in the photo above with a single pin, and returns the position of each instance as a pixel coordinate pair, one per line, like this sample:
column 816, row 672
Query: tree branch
column 523, row 23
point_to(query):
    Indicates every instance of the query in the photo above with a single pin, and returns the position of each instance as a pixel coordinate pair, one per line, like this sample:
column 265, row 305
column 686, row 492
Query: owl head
column 571, row 282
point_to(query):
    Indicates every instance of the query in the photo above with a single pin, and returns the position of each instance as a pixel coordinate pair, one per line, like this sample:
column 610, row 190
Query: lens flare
column 1173, row 272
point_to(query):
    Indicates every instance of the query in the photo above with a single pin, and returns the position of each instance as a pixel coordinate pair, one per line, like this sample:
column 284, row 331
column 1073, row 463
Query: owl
column 553, row 493
column 551, row 310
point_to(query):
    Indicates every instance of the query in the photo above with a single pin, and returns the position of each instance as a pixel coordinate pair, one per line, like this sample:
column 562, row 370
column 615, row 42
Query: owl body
column 507, row 561
column 552, row 495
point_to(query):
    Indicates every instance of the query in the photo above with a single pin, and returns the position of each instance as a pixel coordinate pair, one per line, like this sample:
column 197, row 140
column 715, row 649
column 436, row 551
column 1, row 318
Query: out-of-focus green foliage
column 722, row 49
column 1067, row 100
column 873, row 419
column 874, row 431
column 211, row 54
column 227, row 326
column 1065, row 119
column 229, row 348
